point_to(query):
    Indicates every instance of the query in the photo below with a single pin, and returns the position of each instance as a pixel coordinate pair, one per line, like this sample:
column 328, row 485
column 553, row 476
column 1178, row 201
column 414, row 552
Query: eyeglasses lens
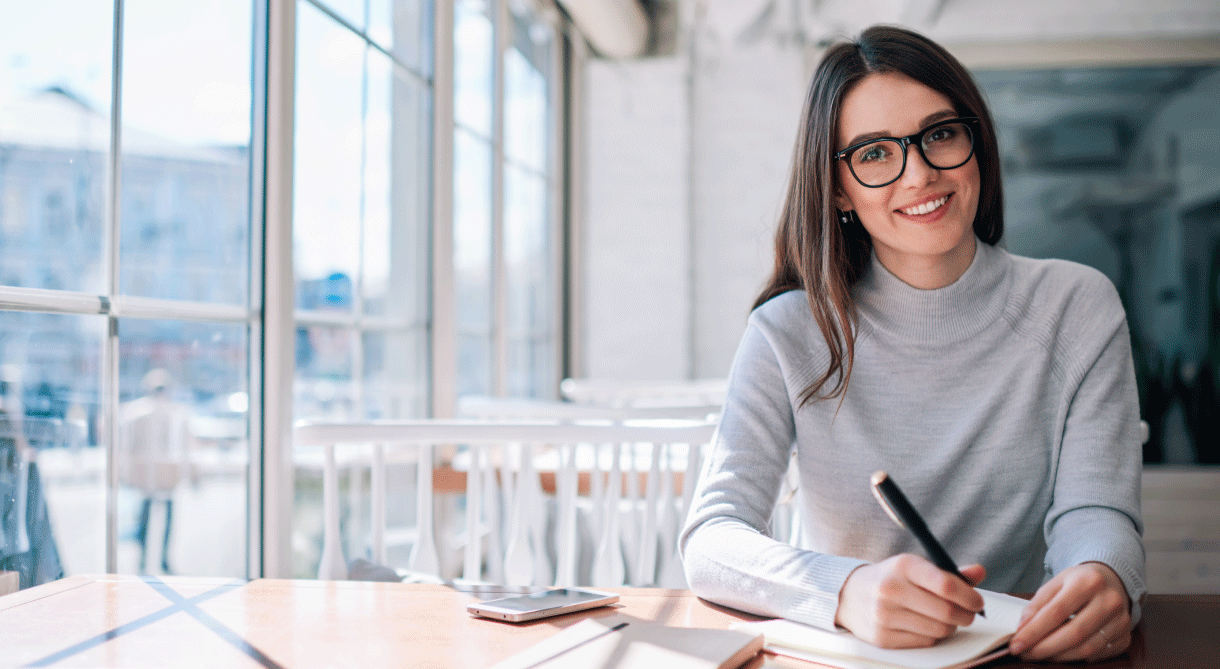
column 944, row 147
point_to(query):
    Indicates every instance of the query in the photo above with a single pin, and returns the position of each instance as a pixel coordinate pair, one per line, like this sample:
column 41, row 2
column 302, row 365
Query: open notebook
column 623, row 641
column 983, row 641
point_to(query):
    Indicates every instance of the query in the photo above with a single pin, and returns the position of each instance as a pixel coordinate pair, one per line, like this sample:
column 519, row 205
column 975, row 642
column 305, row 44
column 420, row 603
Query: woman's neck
column 928, row 272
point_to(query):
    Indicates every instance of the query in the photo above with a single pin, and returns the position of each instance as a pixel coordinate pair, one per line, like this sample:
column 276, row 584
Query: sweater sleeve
column 726, row 551
column 1095, row 514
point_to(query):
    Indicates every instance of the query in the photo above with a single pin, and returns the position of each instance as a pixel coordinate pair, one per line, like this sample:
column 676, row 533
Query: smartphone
column 541, row 604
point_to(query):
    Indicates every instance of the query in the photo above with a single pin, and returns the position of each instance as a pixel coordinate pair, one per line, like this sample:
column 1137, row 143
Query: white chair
column 499, row 408
column 506, row 463
column 635, row 393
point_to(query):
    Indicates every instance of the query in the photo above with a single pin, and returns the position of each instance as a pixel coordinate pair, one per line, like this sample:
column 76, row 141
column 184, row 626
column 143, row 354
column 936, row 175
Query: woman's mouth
column 926, row 207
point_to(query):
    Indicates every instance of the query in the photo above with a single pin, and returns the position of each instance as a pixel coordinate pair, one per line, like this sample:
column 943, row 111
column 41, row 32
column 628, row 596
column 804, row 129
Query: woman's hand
column 907, row 602
column 1083, row 613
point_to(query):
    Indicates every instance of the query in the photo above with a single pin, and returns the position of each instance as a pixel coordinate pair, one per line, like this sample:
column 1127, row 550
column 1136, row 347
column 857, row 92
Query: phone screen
column 546, row 600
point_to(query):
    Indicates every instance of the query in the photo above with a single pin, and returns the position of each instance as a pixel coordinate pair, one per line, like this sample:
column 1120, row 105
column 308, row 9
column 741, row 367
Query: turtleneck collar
column 955, row 312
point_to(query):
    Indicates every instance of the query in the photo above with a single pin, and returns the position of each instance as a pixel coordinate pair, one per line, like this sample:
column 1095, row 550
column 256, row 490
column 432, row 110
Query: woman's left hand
column 1083, row 613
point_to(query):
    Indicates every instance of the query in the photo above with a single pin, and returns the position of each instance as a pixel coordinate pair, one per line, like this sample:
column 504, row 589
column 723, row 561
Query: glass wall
column 361, row 226
column 506, row 197
column 1116, row 167
column 125, row 301
column 131, row 283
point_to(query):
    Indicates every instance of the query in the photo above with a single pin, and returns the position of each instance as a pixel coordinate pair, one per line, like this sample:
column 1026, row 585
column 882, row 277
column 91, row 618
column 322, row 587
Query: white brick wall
column 636, row 278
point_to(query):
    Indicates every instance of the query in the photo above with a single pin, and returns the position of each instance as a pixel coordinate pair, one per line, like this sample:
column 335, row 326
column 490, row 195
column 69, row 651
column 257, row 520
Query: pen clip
column 878, row 477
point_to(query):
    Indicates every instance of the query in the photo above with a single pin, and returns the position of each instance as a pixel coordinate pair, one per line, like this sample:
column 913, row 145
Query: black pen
column 900, row 510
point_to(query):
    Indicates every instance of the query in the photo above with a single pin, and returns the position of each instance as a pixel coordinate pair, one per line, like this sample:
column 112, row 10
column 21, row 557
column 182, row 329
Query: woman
column 999, row 391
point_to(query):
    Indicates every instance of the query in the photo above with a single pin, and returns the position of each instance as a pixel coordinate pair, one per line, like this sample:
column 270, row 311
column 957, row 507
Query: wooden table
column 131, row 621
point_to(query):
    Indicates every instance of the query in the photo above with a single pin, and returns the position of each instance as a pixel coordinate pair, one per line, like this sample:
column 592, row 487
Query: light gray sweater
column 1004, row 405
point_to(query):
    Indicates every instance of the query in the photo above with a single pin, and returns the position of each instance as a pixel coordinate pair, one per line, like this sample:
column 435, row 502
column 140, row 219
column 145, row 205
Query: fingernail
column 1016, row 647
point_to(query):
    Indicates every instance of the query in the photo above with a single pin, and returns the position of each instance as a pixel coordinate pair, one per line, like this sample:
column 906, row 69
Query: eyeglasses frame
column 971, row 121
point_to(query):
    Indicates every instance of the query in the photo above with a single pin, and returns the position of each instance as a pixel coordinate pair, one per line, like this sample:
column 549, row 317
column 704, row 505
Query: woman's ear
column 842, row 203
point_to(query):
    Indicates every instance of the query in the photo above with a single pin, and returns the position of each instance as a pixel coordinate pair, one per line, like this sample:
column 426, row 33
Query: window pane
column 329, row 140
column 378, row 166
column 474, row 364
column 472, row 65
column 473, row 259
column 396, row 374
column 404, row 28
column 54, row 141
column 527, row 252
column 185, row 150
column 325, row 386
column 50, row 389
column 531, row 367
column 526, row 97
column 183, row 447
column 530, row 291
column 398, row 186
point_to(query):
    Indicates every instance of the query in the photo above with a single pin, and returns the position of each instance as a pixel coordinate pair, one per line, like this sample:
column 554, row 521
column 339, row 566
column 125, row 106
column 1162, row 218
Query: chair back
column 483, row 407
column 635, row 393
column 565, row 503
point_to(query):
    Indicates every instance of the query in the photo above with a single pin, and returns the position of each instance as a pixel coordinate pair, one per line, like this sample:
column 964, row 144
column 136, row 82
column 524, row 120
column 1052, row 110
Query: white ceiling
column 962, row 20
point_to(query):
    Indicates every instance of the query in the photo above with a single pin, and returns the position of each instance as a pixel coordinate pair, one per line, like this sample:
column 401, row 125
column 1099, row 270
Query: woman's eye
column 940, row 135
column 873, row 153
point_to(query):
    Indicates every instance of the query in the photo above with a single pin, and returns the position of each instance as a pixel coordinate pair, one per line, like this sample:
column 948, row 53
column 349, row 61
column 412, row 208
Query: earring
column 845, row 217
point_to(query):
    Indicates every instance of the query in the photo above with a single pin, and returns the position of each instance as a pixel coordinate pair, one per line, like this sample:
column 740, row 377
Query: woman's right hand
column 907, row 602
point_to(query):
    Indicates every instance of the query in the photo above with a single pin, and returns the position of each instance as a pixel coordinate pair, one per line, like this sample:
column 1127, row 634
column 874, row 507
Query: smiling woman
column 894, row 335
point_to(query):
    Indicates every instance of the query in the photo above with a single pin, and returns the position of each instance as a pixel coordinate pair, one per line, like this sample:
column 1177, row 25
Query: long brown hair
column 816, row 250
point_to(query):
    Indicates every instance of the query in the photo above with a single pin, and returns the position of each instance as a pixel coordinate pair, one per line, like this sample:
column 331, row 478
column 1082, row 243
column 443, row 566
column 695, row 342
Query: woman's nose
column 918, row 172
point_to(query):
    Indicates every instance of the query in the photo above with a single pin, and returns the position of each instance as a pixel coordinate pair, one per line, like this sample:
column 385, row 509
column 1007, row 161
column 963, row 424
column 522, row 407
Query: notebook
column 623, row 641
column 984, row 640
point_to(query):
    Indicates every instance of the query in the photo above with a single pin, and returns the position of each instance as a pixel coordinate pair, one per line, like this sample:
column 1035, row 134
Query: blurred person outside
column 154, row 454
column 27, row 545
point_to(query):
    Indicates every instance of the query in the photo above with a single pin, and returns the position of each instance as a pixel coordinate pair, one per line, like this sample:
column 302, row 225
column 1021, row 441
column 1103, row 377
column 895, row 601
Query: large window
column 362, row 187
column 506, row 199
column 151, row 203
column 126, row 313
column 361, row 225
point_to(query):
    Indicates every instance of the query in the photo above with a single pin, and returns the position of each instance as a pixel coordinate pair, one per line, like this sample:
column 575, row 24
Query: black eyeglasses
column 880, row 162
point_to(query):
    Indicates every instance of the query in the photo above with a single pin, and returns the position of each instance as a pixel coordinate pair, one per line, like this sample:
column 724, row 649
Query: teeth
column 926, row 207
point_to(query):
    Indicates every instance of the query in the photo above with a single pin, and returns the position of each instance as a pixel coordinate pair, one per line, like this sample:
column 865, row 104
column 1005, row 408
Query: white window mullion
column 131, row 306
column 444, row 316
column 555, row 195
column 113, row 230
column 279, row 333
column 361, row 240
column 260, row 60
column 573, row 184
column 499, row 307
column 13, row 298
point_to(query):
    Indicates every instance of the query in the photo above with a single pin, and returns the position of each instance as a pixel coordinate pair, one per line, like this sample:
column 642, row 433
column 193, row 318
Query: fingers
column 944, row 586
column 974, row 573
column 1082, row 613
column 920, row 603
column 1111, row 639
column 900, row 603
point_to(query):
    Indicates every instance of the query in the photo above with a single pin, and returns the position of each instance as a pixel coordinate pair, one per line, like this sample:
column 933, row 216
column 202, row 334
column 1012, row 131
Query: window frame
column 270, row 315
